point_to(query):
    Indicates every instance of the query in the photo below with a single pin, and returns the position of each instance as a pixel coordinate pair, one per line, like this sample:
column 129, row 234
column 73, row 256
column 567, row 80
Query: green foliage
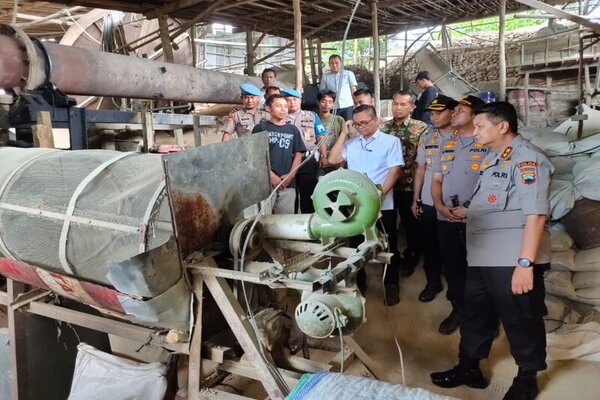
column 362, row 47
column 491, row 24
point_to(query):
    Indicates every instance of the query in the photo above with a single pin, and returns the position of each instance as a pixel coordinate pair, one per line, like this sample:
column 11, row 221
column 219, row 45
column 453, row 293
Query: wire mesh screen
column 93, row 206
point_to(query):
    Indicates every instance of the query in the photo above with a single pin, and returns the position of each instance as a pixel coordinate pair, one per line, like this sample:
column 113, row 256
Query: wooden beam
column 165, row 40
column 249, row 53
column 298, row 49
column 259, row 40
column 502, row 52
column 319, row 60
column 172, row 7
column 42, row 131
column 309, row 34
column 578, row 19
column 376, row 57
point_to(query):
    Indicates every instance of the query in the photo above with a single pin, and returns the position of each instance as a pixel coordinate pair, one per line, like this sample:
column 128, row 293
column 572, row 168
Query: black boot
column 450, row 323
column 524, row 386
column 463, row 374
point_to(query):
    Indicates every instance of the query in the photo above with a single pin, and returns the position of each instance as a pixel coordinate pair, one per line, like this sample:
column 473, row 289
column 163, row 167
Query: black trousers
column 306, row 180
column 428, row 232
column 402, row 202
column 451, row 236
column 488, row 298
column 392, row 277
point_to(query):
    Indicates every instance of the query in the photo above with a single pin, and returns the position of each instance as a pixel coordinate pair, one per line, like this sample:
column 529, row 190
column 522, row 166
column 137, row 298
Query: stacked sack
column 586, row 276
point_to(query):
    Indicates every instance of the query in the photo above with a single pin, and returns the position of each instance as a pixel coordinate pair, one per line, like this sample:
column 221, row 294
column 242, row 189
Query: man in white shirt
column 379, row 156
column 343, row 83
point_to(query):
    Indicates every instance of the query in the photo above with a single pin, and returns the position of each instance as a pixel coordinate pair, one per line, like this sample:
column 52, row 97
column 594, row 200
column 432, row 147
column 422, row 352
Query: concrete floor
column 425, row 350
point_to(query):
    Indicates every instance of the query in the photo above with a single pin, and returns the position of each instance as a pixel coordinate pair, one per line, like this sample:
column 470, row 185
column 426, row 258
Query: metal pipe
column 77, row 71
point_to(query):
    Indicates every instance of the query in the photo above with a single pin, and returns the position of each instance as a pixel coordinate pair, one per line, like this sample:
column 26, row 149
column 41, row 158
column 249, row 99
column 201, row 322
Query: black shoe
column 406, row 270
column 392, row 294
column 460, row 376
column 523, row 388
column 450, row 324
column 428, row 294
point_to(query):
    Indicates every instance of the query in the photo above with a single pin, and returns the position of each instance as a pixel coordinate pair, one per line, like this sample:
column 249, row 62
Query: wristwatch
column 525, row 262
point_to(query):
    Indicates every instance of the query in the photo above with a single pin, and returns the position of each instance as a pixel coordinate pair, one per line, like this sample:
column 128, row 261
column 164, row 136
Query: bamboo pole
column 502, row 52
column 298, row 49
column 376, row 57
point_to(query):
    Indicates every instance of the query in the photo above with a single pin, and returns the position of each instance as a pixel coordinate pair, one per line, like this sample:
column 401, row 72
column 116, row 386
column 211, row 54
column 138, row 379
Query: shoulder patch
column 527, row 164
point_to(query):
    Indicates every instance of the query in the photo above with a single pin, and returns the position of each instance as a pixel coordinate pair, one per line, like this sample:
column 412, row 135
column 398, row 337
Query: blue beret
column 249, row 89
column 291, row 93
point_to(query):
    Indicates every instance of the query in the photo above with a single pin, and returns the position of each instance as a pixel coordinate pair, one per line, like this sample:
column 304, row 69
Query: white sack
column 562, row 260
column 558, row 283
column 586, row 279
column 101, row 376
column 587, row 260
column 560, row 239
column 561, row 197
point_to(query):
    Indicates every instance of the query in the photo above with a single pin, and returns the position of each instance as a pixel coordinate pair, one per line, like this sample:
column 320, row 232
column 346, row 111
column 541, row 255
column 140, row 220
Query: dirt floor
column 425, row 350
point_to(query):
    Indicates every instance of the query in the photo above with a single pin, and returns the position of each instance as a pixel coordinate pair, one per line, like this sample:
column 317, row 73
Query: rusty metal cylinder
column 76, row 71
column 12, row 66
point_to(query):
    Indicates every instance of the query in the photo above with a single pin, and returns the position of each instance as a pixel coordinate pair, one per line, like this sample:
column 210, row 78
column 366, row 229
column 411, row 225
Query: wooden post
column 376, row 57
column 298, row 50
column 502, row 53
column 42, row 131
column 319, row 60
column 195, row 360
column 165, row 39
column 355, row 52
column 16, row 336
column 197, row 132
column 148, row 131
column 249, row 53
column 311, row 56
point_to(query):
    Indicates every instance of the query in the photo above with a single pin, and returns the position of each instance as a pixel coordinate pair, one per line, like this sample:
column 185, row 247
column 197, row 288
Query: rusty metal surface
column 11, row 63
column 77, row 71
column 209, row 186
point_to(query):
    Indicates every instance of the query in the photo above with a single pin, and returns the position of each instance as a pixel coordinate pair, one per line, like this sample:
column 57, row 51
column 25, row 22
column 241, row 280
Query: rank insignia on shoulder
column 475, row 166
column 507, row 152
column 492, row 198
column 528, row 178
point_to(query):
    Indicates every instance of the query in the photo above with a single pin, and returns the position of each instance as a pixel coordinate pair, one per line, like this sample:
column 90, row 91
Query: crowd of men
column 470, row 195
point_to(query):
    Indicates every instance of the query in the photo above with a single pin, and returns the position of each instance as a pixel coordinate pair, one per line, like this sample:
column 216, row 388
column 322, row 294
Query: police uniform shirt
column 374, row 157
column 242, row 121
column 459, row 161
column 310, row 127
column 429, row 147
column 512, row 186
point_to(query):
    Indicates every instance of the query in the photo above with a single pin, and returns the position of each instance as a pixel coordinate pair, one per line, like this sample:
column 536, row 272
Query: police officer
column 422, row 205
column 311, row 129
column 455, row 173
column 242, row 120
column 508, row 251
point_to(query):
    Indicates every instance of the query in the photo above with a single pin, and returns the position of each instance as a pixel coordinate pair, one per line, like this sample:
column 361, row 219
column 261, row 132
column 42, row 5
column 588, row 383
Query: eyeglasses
column 363, row 123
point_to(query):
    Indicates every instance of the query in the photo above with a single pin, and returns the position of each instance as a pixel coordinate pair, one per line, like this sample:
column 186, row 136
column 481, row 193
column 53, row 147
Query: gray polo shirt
column 459, row 160
column 429, row 147
column 512, row 186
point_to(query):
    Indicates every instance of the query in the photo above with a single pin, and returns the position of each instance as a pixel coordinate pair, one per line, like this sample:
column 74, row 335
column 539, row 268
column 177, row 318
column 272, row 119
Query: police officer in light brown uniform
column 241, row 121
column 508, row 246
